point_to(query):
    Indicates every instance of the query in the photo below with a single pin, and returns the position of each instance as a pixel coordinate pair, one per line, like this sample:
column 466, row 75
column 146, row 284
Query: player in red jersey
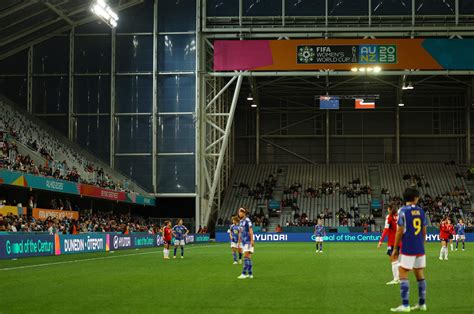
column 452, row 234
column 167, row 239
column 390, row 231
column 444, row 238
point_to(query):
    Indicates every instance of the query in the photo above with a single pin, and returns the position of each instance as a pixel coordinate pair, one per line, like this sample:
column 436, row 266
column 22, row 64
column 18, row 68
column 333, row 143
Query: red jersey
column 167, row 233
column 451, row 229
column 444, row 231
column 390, row 229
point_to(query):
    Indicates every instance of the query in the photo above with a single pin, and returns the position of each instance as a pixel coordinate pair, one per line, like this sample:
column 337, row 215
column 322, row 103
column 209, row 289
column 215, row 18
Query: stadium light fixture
column 104, row 12
column 253, row 105
column 361, row 69
column 401, row 104
column 250, row 97
column 354, row 69
column 377, row 69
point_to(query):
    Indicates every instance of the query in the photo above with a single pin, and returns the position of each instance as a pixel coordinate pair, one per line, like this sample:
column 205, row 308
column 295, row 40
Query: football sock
column 321, row 246
column 235, row 256
column 463, row 245
column 441, row 252
column 405, row 291
column 249, row 266
column 446, row 252
column 175, row 249
column 421, row 291
column 317, row 246
column 240, row 256
column 451, row 246
column 395, row 270
column 244, row 271
column 457, row 244
column 182, row 251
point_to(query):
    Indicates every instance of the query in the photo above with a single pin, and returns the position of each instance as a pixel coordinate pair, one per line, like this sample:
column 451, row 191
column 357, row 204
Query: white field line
column 96, row 258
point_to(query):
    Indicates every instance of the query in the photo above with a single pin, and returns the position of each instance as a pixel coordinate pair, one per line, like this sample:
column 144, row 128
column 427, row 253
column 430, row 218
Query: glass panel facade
column 93, row 133
column 435, row 7
column 176, row 174
column 348, row 7
column 50, row 94
column 134, row 94
column 92, row 94
column 137, row 167
column 136, row 19
column 133, row 134
column 222, row 7
column 176, row 93
column 92, row 54
column 304, row 8
column 391, row 7
column 52, row 56
column 134, row 53
column 176, row 134
column 176, row 16
column 15, row 88
column 16, row 64
column 262, row 7
column 466, row 7
column 176, row 53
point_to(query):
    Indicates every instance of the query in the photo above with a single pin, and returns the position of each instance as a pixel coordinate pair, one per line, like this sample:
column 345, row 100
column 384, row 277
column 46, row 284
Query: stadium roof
column 27, row 22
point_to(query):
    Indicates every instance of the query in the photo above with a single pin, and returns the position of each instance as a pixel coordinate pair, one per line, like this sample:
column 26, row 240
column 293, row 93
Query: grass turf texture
column 289, row 278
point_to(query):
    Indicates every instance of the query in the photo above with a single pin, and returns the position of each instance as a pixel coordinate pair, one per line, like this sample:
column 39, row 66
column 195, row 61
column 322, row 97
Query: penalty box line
column 97, row 258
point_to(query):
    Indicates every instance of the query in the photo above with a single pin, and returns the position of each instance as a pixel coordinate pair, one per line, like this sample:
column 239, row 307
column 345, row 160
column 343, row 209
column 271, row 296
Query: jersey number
column 417, row 225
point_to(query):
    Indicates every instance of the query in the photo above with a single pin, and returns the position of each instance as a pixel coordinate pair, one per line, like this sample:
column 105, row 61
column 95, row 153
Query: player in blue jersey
column 319, row 232
column 179, row 233
column 246, row 240
column 411, row 232
column 234, row 239
column 460, row 233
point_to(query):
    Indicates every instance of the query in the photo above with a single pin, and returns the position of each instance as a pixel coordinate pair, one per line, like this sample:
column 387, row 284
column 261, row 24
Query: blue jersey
column 245, row 227
column 179, row 232
column 412, row 218
column 319, row 231
column 234, row 233
column 460, row 229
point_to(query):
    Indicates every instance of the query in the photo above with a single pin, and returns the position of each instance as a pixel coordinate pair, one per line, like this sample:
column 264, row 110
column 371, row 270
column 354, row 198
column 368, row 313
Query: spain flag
column 360, row 104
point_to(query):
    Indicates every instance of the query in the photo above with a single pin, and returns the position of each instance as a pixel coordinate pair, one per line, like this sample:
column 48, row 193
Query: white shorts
column 410, row 262
column 247, row 248
column 179, row 242
column 319, row 239
column 460, row 237
column 235, row 245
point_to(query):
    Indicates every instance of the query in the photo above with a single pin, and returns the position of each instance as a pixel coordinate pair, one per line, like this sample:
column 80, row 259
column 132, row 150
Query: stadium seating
column 31, row 138
column 441, row 178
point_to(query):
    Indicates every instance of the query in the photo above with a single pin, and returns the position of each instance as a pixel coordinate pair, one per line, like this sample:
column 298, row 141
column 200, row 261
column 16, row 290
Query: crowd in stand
column 351, row 190
column 86, row 223
column 258, row 219
column 261, row 191
column 61, row 162
column 98, row 222
column 449, row 204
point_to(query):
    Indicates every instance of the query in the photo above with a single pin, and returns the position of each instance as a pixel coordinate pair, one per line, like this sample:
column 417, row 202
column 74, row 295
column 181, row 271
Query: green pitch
column 289, row 278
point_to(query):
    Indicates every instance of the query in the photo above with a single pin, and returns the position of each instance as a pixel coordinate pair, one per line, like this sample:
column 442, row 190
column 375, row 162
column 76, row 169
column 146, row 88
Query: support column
column 327, row 137
column 29, row 97
column 70, row 118
column 398, row 92
column 257, row 137
column 469, row 103
column 112, row 100
column 200, row 66
column 154, row 156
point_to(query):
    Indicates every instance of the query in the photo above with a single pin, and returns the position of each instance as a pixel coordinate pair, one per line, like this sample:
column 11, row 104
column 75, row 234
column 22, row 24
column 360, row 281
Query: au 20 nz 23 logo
column 346, row 54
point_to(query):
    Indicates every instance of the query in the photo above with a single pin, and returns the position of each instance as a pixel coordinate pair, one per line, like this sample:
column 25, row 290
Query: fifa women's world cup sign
column 343, row 54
